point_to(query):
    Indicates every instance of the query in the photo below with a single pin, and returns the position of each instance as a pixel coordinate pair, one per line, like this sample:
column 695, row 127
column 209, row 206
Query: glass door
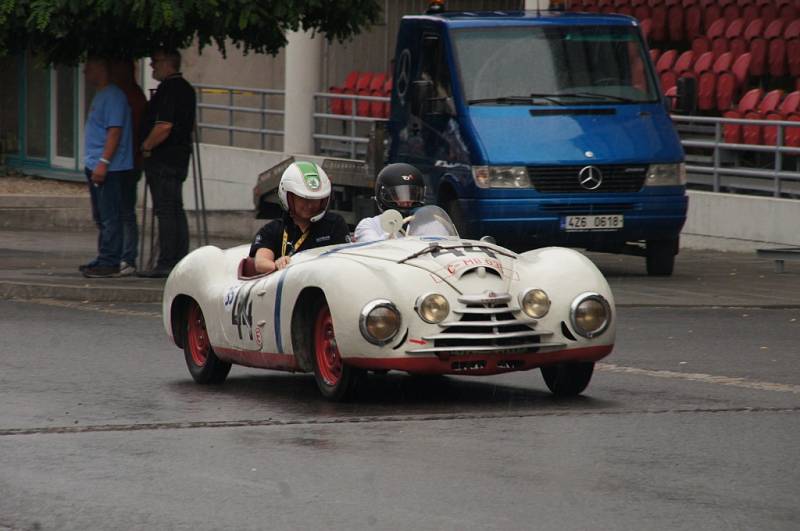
column 64, row 144
column 36, row 109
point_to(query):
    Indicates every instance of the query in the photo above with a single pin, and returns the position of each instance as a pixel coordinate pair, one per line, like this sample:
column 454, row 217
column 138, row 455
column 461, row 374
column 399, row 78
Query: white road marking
column 702, row 377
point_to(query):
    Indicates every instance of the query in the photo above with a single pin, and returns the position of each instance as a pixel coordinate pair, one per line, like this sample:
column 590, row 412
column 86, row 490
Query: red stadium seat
column 684, row 63
column 675, row 26
column 749, row 10
column 792, row 134
column 375, row 108
column 789, row 106
column 646, row 26
column 339, row 106
column 693, row 22
column 792, row 37
column 658, row 15
column 362, row 89
column 655, row 53
column 702, row 44
column 731, row 12
column 732, row 133
column 751, row 133
column 707, row 82
column 731, row 82
column 666, row 61
column 641, row 10
column 769, row 12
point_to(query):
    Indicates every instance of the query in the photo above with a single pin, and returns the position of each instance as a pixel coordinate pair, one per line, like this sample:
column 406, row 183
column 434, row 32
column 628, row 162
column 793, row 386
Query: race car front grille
column 486, row 326
column 566, row 180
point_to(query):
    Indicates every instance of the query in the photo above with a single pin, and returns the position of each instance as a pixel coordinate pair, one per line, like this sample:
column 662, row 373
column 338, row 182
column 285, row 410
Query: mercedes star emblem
column 590, row 177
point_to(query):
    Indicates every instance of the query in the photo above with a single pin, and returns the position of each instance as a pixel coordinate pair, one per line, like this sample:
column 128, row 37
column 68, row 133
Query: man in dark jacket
column 167, row 146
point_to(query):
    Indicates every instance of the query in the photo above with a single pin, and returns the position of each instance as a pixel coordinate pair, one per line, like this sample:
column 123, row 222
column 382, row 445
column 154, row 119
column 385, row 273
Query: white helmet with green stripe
column 306, row 180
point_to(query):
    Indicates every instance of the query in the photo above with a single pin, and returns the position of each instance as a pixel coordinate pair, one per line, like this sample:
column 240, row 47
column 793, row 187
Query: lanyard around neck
column 296, row 246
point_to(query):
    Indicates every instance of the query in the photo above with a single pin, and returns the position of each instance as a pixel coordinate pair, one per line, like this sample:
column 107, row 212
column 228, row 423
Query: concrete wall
column 729, row 222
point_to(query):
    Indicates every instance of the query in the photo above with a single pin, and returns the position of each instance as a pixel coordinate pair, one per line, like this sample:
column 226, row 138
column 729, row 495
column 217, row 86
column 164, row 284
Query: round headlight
column 535, row 303
column 591, row 314
column 380, row 321
column 432, row 308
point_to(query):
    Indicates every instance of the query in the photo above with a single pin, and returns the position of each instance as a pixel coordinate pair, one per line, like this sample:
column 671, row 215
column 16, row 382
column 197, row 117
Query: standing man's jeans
column 130, row 231
column 166, row 187
column 107, row 198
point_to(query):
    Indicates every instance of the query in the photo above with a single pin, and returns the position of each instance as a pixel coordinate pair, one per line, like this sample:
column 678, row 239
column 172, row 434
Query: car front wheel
column 336, row 380
column 568, row 379
column 204, row 366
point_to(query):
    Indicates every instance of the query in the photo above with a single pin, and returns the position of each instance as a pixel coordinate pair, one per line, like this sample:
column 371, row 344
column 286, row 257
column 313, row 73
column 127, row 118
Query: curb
column 116, row 293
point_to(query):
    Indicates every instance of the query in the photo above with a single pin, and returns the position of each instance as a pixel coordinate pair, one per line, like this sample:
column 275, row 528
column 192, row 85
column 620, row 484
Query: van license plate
column 587, row 223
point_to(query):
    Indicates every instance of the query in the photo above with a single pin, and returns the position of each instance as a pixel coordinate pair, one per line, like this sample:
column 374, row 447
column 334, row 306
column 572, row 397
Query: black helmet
column 400, row 186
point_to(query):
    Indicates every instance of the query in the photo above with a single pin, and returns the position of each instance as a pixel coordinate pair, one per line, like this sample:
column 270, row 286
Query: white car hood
column 466, row 265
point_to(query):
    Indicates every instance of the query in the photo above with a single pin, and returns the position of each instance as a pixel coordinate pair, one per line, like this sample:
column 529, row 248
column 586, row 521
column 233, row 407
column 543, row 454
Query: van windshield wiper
column 518, row 100
column 596, row 96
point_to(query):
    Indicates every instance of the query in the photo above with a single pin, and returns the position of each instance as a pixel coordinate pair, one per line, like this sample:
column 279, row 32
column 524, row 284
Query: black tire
column 335, row 380
column 568, row 379
column 661, row 257
column 453, row 210
column 204, row 366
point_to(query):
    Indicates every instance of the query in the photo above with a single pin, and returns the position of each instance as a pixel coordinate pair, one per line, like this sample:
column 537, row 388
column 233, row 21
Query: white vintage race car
column 426, row 303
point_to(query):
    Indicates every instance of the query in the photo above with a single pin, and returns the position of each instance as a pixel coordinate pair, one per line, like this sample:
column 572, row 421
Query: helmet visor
column 402, row 195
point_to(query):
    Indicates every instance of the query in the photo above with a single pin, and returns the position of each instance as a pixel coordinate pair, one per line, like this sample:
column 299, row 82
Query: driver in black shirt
column 304, row 192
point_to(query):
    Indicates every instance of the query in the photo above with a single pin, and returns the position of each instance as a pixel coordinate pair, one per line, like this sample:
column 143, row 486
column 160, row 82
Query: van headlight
column 379, row 321
column 590, row 314
column 432, row 308
column 534, row 303
column 666, row 175
column 501, row 176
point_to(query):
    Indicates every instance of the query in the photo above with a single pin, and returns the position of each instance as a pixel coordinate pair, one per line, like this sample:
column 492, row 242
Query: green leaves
column 66, row 31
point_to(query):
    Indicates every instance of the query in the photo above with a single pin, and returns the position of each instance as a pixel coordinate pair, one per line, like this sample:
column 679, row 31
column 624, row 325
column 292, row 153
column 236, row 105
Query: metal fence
column 735, row 167
column 232, row 115
column 354, row 137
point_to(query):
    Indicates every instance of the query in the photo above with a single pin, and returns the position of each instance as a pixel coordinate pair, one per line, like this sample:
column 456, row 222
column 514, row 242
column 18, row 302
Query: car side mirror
column 686, row 100
column 391, row 222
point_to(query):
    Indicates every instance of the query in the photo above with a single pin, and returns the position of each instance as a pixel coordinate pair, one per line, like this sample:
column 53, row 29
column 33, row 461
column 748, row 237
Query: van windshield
column 553, row 65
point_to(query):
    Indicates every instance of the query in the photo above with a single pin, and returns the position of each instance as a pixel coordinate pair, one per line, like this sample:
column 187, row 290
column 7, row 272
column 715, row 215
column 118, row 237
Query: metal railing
column 231, row 108
column 353, row 140
column 774, row 179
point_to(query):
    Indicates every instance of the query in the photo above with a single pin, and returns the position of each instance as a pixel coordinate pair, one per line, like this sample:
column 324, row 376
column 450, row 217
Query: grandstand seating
column 363, row 84
column 789, row 107
column 751, row 134
column 732, row 133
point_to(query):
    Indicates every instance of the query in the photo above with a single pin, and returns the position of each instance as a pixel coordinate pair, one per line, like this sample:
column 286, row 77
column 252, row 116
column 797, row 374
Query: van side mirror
column 686, row 100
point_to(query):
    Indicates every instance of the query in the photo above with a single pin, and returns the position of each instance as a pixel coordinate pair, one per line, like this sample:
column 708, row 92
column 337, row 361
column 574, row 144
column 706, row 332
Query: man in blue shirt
column 109, row 157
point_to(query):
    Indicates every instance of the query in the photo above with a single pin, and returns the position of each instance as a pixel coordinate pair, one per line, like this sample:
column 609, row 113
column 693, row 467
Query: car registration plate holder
column 604, row 222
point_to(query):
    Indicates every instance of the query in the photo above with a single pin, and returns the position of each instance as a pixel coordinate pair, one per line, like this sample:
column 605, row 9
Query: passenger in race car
column 399, row 186
column 304, row 193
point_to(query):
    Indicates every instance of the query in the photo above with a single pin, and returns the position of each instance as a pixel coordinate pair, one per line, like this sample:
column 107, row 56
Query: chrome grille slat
column 487, row 348
column 498, row 336
column 484, row 324
column 485, row 298
column 485, row 311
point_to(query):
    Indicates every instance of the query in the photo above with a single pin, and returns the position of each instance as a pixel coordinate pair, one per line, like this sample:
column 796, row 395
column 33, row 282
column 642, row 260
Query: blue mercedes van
column 541, row 129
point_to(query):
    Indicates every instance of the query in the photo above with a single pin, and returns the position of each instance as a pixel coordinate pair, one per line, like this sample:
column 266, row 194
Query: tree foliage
column 66, row 31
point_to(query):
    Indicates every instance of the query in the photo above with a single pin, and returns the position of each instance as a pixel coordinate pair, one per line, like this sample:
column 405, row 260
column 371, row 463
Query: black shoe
column 100, row 271
column 154, row 273
column 83, row 267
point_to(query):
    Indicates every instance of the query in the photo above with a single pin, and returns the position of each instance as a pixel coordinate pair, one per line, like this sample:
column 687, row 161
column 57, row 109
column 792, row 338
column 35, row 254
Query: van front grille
column 566, row 180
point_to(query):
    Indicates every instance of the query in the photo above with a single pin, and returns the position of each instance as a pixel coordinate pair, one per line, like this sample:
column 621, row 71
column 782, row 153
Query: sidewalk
column 44, row 264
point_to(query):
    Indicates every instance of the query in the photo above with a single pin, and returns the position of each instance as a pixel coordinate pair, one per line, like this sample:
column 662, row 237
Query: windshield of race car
column 431, row 220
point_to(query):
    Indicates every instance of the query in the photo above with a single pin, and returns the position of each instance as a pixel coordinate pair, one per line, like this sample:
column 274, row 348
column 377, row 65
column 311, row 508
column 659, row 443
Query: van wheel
column 568, row 379
column 661, row 257
column 453, row 210
column 204, row 366
column 336, row 381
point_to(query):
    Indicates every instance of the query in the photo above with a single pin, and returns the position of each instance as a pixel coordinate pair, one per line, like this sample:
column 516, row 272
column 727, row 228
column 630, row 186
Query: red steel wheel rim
column 198, row 337
column 329, row 362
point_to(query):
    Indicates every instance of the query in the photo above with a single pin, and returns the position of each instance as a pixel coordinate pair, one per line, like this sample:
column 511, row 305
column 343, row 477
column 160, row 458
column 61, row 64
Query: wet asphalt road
column 692, row 422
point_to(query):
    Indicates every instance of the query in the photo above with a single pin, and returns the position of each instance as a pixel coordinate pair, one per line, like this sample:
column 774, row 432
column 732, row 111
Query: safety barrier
column 353, row 140
column 230, row 95
column 726, row 170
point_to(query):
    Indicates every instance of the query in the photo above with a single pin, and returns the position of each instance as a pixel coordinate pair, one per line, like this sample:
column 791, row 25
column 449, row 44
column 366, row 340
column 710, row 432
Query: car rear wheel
column 661, row 257
column 204, row 366
column 568, row 379
column 335, row 379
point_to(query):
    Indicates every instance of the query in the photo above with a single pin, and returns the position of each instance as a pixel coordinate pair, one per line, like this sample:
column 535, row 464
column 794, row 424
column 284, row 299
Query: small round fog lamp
column 432, row 308
column 379, row 322
column 534, row 303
